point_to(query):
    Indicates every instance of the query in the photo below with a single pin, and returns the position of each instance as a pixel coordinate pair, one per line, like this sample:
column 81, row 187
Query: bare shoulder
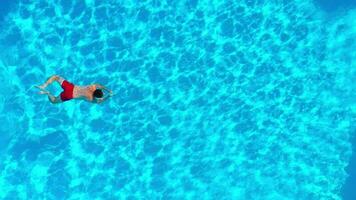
column 91, row 87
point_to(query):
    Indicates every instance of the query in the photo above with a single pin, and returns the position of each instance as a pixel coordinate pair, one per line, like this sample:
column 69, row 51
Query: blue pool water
column 215, row 100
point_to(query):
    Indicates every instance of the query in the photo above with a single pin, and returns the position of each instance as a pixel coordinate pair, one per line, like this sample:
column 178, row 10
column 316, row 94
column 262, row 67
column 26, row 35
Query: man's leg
column 52, row 98
column 60, row 80
column 50, row 80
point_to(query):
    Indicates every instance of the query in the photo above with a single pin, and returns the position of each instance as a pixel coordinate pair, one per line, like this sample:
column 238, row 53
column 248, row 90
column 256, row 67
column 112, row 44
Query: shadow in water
column 335, row 5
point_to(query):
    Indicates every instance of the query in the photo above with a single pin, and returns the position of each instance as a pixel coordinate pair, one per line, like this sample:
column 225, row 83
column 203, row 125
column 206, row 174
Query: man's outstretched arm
column 105, row 98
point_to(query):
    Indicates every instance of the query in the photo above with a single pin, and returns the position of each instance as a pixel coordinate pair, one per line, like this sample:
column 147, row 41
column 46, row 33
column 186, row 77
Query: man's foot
column 41, row 87
column 43, row 92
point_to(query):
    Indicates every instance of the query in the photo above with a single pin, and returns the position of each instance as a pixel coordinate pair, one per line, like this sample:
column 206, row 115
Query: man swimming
column 92, row 93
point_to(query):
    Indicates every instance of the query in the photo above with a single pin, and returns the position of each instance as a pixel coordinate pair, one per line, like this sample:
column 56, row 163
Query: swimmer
column 92, row 93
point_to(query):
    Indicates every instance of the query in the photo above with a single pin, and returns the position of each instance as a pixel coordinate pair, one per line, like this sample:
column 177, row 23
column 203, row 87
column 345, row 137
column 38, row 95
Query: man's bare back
column 92, row 93
column 84, row 92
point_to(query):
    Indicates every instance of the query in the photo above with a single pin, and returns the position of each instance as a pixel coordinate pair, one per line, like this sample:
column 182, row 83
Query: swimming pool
column 216, row 100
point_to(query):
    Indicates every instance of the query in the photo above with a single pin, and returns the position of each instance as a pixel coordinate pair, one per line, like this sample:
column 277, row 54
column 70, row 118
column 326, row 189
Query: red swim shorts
column 67, row 94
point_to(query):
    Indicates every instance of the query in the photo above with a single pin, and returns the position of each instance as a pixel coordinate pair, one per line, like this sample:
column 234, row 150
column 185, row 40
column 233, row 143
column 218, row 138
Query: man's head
column 98, row 93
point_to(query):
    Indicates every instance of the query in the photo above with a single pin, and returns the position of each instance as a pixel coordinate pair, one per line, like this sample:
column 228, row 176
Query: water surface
column 215, row 100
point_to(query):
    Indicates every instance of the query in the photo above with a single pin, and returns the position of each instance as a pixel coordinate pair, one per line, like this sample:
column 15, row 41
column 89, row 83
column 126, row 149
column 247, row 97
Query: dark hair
column 98, row 93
